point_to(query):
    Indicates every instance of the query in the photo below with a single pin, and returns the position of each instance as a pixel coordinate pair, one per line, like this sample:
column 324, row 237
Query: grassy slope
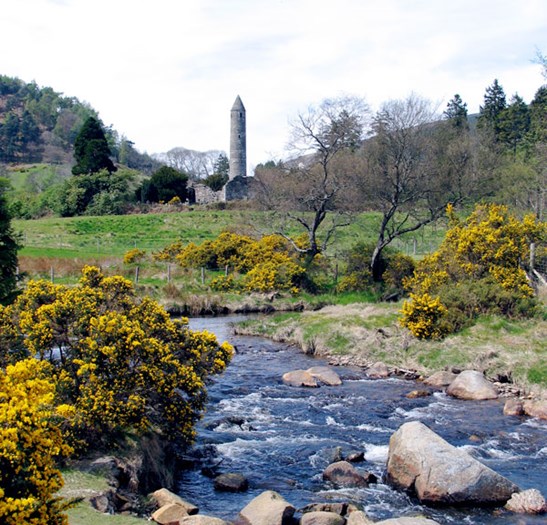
column 80, row 484
column 363, row 334
column 114, row 235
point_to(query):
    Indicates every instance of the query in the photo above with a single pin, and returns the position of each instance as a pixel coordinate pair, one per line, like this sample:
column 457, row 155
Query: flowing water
column 282, row 438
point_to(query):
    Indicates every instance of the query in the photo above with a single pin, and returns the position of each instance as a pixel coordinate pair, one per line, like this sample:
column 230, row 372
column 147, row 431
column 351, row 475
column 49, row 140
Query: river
column 282, row 438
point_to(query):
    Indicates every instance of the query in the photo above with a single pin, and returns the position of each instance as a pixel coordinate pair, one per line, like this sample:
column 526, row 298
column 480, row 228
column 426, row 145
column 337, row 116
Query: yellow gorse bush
column 134, row 255
column 269, row 263
column 30, row 441
column 119, row 362
column 482, row 257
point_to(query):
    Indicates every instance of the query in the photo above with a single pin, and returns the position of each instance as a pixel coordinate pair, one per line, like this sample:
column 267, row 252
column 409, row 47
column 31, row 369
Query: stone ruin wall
column 205, row 195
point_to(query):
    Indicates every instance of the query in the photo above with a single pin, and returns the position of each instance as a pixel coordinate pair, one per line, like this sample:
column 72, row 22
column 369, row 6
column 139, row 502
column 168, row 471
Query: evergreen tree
column 8, row 249
column 514, row 123
column 91, row 149
column 220, row 175
column 456, row 112
column 165, row 184
column 538, row 116
column 490, row 113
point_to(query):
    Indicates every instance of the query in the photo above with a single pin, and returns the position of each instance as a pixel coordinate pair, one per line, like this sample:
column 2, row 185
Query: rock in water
column 169, row 513
column 513, row 407
column 415, row 394
column 322, row 517
column 440, row 379
column 378, row 370
column 201, row 519
column 300, row 378
column 408, row 521
column 420, row 460
column 164, row 497
column 344, row 474
column 358, row 517
column 471, row 384
column 231, row 482
column 529, row 501
column 536, row 409
column 325, row 375
column 268, row 508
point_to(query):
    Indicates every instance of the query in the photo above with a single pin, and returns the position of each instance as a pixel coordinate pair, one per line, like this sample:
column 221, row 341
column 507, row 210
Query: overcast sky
column 165, row 73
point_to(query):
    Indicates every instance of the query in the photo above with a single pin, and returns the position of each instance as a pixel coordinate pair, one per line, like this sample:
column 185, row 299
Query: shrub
column 118, row 362
column 269, row 263
column 423, row 316
column 134, row 255
column 393, row 266
column 30, row 443
column 476, row 270
column 223, row 283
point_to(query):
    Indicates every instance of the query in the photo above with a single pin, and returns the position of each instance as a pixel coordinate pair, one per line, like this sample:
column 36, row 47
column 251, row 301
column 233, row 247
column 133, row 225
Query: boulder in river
column 529, row 501
column 344, row 474
column 358, row 517
column 378, row 370
column 169, row 513
column 322, row 517
column 355, row 456
column 231, row 482
column 536, row 408
column 471, row 384
column 164, row 497
column 268, row 508
column 415, row 394
column 407, row 520
column 439, row 473
column 513, row 407
column 202, row 519
column 440, row 379
column 326, row 375
column 338, row 508
column 300, row 378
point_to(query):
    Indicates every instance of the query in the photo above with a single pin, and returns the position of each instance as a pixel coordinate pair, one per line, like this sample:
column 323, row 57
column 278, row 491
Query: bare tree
column 309, row 189
column 414, row 166
column 197, row 164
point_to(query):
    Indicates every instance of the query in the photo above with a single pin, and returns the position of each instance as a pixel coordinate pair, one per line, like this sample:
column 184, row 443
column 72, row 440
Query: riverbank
column 509, row 351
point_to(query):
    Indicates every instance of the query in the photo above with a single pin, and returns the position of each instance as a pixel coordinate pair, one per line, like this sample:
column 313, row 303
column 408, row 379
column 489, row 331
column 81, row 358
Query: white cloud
column 165, row 73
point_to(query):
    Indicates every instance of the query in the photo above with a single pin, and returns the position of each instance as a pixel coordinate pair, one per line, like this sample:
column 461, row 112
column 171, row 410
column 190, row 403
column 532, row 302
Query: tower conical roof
column 238, row 105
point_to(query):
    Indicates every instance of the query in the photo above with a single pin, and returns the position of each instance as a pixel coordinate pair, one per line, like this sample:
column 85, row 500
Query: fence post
column 136, row 275
column 226, row 271
column 532, row 256
column 52, row 274
column 168, row 273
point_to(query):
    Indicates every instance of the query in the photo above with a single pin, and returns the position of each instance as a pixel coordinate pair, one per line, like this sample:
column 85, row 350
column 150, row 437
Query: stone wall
column 205, row 195
column 238, row 189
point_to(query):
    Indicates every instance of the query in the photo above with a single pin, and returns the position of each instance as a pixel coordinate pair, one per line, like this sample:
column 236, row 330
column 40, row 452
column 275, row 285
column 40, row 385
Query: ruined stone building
column 238, row 185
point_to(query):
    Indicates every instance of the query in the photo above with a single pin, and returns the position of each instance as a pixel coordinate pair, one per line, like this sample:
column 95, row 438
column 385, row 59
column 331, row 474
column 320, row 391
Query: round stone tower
column 238, row 140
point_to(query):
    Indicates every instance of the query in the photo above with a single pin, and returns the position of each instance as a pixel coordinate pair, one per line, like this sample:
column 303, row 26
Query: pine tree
column 8, row 249
column 514, row 123
column 456, row 112
column 91, row 149
column 494, row 104
column 538, row 116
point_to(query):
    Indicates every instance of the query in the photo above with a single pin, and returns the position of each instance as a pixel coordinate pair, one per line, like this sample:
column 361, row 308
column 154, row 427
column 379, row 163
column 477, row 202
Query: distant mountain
column 38, row 124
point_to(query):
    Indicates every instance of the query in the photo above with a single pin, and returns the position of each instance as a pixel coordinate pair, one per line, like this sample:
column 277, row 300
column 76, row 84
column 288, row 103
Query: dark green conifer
column 91, row 149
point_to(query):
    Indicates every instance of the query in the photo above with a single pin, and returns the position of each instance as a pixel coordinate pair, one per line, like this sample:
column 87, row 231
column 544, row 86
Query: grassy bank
column 364, row 333
column 84, row 485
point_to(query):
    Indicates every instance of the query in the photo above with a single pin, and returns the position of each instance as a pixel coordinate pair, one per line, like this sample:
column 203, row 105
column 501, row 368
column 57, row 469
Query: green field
column 112, row 236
